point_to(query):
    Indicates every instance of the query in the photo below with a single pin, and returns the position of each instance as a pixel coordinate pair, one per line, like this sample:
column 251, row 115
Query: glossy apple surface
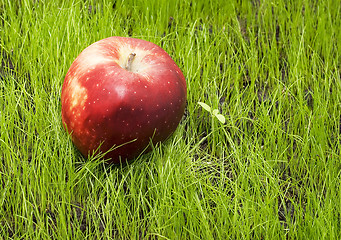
column 122, row 92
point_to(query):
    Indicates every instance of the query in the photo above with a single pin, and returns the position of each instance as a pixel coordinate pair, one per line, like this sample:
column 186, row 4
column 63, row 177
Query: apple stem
column 130, row 61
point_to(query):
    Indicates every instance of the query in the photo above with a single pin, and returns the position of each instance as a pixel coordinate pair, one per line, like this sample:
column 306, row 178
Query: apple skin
column 111, row 97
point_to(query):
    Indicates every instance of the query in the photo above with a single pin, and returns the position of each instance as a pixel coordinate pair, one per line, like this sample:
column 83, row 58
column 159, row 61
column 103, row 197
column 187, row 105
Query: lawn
column 271, row 171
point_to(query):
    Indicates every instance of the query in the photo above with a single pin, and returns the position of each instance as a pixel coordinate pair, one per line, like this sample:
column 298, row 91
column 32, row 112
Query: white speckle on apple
column 133, row 109
column 90, row 58
column 134, row 92
column 120, row 90
column 141, row 100
column 97, row 85
column 145, row 86
column 79, row 94
column 171, row 103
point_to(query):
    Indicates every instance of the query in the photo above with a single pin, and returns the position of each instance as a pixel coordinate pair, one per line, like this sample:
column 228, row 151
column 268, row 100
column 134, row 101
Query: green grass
column 272, row 171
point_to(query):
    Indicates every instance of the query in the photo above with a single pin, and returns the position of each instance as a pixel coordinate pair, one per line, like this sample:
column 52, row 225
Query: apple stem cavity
column 130, row 61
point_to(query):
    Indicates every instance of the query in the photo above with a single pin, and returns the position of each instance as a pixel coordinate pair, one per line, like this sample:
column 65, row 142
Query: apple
column 121, row 93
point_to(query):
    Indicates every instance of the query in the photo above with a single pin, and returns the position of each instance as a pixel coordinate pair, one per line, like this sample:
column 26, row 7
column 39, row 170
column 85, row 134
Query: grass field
column 272, row 171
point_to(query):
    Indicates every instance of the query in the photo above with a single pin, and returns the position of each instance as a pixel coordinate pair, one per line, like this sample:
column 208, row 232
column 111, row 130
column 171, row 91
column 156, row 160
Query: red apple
column 122, row 92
